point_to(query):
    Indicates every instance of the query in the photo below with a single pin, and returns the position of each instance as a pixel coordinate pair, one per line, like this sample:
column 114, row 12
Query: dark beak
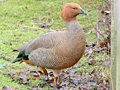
column 82, row 12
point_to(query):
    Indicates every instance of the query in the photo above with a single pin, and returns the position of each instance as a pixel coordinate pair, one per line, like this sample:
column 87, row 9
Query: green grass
column 16, row 14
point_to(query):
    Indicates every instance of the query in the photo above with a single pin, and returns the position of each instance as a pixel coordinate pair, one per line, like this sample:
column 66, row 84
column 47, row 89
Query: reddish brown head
column 70, row 11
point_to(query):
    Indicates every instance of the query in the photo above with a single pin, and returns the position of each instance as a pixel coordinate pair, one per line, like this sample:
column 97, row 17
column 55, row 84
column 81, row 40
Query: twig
column 92, row 49
column 37, row 28
column 18, row 77
column 97, row 32
column 89, row 32
column 21, row 70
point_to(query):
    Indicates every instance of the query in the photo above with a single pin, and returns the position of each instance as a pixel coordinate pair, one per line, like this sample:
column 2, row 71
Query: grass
column 18, row 27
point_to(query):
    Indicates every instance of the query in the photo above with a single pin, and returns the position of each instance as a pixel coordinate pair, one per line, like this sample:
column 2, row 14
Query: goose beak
column 82, row 12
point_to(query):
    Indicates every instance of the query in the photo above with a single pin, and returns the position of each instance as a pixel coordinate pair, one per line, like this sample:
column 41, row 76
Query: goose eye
column 74, row 8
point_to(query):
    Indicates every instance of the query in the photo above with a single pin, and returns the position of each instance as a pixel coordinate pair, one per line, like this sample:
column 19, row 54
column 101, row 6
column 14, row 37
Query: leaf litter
column 68, row 79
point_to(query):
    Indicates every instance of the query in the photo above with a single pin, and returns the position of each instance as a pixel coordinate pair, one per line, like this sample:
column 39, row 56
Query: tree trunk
column 118, row 45
column 113, row 46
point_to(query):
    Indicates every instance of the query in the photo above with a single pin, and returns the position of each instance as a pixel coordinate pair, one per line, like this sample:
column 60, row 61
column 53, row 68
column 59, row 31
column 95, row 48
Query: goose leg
column 55, row 83
column 56, row 73
column 55, row 80
column 44, row 71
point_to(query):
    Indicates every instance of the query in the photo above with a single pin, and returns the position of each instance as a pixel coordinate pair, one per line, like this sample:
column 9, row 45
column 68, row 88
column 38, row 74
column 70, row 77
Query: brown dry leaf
column 104, row 89
column 35, row 75
column 91, row 62
column 42, row 84
column 5, row 58
column 94, row 70
column 83, row 88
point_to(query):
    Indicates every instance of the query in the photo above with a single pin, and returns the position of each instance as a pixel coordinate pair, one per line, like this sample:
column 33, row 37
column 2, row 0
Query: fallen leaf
column 90, row 44
column 8, row 88
column 41, row 84
column 91, row 62
column 65, row 83
column 23, row 76
column 45, row 25
column 83, row 88
column 65, row 88
column 106, row 63
column 94, row 70
column 27, row 66
column 72, row 71
column 8, row 43
column 75, row 81
column 104, row 89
